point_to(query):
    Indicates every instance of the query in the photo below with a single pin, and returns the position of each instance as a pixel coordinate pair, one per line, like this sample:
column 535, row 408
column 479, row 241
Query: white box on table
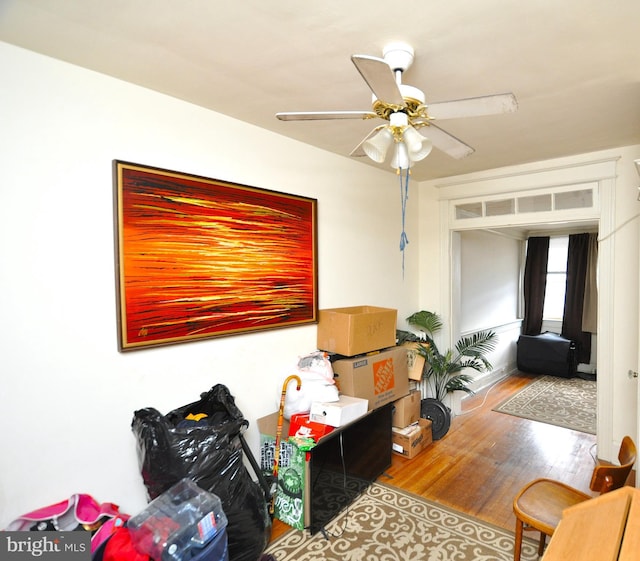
column 338, row 413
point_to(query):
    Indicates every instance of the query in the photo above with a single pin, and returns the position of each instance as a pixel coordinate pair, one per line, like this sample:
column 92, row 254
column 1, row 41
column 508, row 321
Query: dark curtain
column 577, row 260
column 590, row 310
column 535, row 284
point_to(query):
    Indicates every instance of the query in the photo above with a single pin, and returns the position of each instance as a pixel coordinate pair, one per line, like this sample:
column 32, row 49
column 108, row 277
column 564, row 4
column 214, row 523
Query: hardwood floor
column 485, row 458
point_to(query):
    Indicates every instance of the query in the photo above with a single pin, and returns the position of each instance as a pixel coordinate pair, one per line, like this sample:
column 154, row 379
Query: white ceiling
column 573, row 65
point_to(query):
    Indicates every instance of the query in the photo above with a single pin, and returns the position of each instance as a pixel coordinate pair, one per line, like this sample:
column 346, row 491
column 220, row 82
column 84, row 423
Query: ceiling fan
column 407, row 113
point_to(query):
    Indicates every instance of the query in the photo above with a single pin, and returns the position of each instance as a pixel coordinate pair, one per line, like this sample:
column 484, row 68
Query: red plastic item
column 301, row 425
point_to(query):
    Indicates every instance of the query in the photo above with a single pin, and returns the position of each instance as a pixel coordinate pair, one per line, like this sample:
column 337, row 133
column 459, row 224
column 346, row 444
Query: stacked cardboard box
column 356, row 330
column 407, row 410
column 410, row 441
column 366, row 361
column 370, row 371
column 411, row 434
column 415, row 361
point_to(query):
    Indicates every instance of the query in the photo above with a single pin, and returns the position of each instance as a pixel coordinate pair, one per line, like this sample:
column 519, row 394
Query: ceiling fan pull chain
column 404, row 195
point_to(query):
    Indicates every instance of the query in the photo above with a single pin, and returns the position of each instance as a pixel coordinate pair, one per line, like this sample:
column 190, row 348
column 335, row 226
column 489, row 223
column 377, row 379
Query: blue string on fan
column 404, row 196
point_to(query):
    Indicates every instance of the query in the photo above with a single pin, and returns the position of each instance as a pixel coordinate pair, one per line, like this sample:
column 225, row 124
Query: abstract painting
column 199, row 258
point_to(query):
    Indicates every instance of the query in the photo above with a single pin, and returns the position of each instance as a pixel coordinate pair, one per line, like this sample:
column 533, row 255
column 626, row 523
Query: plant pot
column 439, row 415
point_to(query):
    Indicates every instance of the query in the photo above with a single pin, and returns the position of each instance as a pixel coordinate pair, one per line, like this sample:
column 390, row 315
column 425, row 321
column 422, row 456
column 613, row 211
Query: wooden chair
column 539, row 504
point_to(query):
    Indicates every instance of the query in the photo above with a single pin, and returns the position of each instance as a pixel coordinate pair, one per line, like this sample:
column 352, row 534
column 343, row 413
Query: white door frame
column 604, row 173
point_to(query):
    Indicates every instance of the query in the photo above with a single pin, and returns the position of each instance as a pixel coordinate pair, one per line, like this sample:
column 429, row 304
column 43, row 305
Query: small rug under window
column 387, row 523
column 565, row 402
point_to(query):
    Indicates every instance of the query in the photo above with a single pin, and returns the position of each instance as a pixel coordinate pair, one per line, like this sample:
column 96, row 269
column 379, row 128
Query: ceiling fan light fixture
column 401, row 158
column 377, row 146
column 419, row 147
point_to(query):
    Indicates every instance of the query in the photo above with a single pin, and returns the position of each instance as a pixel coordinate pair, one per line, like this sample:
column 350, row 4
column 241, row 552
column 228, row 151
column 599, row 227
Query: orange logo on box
column 383, row 378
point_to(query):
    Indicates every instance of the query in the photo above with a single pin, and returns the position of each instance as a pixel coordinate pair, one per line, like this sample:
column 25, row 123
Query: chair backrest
column 606, row 478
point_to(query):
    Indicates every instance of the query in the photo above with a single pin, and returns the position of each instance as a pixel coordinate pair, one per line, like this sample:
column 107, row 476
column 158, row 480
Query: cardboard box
column 338, row 413
column 356, row 330
column 415, row 362
column 407, row 410
column 412, row 440
column 380, row 377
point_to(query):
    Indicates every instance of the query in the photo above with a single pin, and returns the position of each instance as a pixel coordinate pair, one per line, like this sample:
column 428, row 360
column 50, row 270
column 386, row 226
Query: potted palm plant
column 444, row 372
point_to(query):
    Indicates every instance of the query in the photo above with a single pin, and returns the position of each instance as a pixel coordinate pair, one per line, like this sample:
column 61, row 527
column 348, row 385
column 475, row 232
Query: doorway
column 474, row 216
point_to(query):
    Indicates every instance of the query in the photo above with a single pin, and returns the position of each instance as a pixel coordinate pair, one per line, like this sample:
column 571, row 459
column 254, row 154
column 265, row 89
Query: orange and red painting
column 199, row 258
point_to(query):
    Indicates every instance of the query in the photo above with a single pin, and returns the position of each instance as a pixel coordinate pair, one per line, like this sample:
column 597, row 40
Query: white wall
column 68, row 396
column 489, row 295
column 490, row 272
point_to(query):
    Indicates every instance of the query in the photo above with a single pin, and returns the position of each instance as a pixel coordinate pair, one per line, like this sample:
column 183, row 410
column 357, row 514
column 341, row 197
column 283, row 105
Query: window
column 552, row 204
column 556, row 278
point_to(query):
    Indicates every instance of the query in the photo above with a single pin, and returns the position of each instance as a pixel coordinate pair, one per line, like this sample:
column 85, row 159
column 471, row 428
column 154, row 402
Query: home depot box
column 356, row 330
column 380, row 377
column 338, row 413
column 406, row 410
column 410, row 441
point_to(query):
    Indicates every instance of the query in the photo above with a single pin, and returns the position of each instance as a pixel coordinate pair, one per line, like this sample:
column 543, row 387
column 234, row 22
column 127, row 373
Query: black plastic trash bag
column 209, row 451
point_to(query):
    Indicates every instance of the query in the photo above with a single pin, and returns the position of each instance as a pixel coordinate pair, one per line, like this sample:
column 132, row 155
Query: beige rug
column 566, row 402
column 388, row 524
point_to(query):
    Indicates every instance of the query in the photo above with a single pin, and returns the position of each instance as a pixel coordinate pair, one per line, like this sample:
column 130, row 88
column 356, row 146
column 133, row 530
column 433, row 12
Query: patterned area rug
column 386, row 523
column 565, row 402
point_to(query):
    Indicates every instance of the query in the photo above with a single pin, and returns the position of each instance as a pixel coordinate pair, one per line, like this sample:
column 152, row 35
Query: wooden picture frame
column 198, row 258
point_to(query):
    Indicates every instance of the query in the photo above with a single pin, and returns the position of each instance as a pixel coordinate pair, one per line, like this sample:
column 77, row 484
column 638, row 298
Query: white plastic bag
column 316, row 375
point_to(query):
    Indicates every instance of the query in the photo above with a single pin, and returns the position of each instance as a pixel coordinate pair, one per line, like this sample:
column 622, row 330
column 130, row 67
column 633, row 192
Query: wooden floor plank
column 486, row 457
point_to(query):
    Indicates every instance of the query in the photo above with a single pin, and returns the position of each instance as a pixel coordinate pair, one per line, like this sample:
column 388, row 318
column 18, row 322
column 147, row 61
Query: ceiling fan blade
column 473, row 106
column 358, row 152
column 325, row 115
column 379, row 77
column 446, row 142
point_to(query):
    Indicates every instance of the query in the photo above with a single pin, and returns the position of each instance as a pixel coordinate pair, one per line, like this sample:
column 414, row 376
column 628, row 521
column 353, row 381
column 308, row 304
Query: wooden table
column 606, row 528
